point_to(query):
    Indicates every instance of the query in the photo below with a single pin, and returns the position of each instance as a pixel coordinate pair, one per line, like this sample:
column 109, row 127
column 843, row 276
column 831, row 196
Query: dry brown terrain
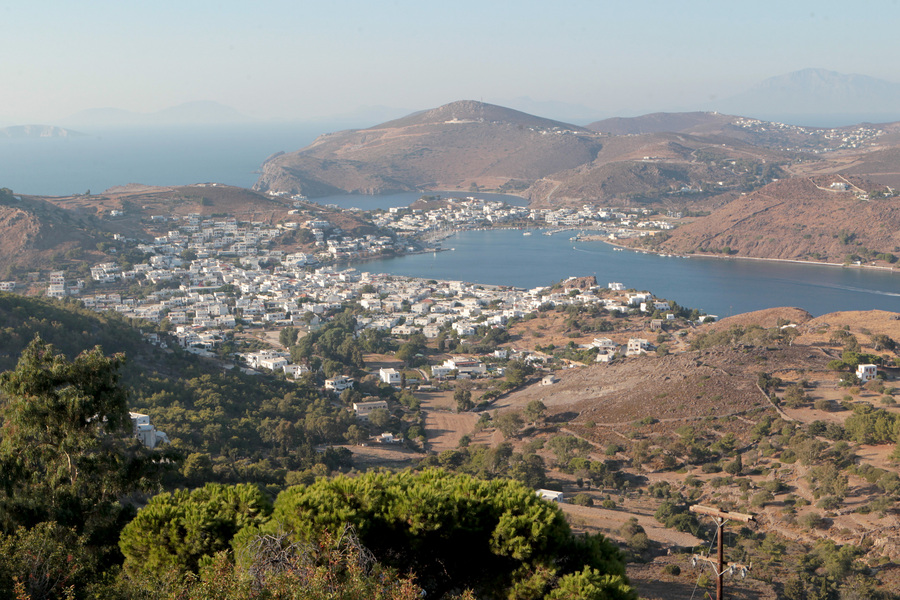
column 796, row 219
column 450, row 147
column 650, row 399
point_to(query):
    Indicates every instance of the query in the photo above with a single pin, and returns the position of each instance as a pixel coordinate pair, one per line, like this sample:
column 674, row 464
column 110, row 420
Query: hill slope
column 799, row 219
column 450, row 147
column 469, row 145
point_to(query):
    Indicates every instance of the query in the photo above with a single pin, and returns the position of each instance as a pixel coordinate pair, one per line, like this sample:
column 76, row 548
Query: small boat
column 527, row 233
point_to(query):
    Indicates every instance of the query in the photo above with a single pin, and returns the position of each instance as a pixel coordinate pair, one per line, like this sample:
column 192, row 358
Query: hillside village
column 227, row 290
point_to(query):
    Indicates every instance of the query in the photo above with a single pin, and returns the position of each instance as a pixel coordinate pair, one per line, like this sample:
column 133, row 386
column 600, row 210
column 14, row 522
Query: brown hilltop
column 471, row 110
column 450, row 147
column 694, row 122
column 467, row 145
column 765, row 318
column 37, row 234
column 798, row 219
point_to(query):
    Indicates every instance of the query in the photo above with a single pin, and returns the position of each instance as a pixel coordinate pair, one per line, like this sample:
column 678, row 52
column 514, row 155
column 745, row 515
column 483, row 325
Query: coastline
column 736, row 257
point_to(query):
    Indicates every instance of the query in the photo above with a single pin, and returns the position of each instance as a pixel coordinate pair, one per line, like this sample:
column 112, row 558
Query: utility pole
column 719, row 565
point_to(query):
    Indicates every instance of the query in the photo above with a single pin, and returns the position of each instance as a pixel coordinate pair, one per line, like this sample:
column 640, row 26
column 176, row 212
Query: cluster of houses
column 470, row 213
column 455, row 214
column 215, row 295
column 840, row 139
column 220, row 275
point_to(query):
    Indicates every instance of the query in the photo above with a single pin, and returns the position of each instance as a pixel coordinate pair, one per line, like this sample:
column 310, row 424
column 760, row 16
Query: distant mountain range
column 812, row 97
column 817, row 97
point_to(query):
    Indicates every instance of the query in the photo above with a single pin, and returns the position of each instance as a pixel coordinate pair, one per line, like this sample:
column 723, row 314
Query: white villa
column 339, row 383
column 363, row 409
column 389, row 375
column 145, row 432
column 866, row 372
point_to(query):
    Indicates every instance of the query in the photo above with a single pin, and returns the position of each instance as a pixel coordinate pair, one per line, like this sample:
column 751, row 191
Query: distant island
column 37, row 131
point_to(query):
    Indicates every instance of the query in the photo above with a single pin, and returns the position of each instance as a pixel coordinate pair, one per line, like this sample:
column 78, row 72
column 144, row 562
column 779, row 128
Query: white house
column 866, row 372
column 605, row 344
column 466, row 365
column 550, row 495
column 145, row 432
column 295, row 371
column 440, row 371
column 391, row 376
column 273, row 364
column 339, row 383
column 364, row 409
column 637, row 346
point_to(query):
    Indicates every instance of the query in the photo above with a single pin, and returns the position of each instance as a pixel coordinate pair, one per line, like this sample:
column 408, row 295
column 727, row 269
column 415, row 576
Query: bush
column 447, row 528
column 825, row 405
column 672, row 570
column 638, row 543
column 583, row 499
column 830, row 502
column 812, row 520
column 761, row 498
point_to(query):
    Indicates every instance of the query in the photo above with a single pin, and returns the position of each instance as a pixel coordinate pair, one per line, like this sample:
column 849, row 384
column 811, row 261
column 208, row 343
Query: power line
column 718, row 565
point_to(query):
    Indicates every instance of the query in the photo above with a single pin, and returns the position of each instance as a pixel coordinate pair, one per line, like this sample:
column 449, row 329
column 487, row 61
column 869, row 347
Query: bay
column 716, row 286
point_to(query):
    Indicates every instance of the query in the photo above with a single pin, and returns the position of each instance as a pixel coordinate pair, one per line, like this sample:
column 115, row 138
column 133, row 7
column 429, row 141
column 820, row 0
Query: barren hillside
column 799, row 219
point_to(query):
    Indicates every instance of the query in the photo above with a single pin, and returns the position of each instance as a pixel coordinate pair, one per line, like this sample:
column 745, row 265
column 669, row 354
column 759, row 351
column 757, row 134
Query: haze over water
column 719, row 287
column 153, row 156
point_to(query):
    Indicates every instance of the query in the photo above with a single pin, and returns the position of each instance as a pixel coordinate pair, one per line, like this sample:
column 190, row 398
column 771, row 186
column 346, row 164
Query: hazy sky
column 295, row 59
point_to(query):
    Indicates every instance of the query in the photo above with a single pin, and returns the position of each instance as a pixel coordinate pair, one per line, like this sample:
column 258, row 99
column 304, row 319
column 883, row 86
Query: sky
column 299, row 59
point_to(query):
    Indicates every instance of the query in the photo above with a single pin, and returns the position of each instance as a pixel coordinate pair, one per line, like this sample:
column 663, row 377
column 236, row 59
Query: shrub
column 825, row 405
column 830, row 502
column 761, row 498
column 583, row 499
column 812, row 520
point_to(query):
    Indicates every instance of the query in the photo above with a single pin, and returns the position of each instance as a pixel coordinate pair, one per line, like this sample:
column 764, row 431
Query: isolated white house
column 866, row 372
column 145, row 432
column 605, row 344
column 465, row 364
column 551, row 495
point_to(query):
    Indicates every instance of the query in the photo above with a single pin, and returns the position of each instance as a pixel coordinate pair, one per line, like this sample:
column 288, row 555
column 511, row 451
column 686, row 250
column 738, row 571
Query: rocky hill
column 652, row 159
column 831, row 219
column 689, row 122
column 38, row 234
column 457, row 146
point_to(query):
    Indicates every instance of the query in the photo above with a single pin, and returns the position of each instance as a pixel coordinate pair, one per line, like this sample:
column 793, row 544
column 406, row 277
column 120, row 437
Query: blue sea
column 168, row 155
column 716, row 286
